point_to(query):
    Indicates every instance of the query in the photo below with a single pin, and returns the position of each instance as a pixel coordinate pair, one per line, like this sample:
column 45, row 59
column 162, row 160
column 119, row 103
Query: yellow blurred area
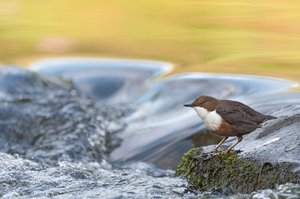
column 233, row 36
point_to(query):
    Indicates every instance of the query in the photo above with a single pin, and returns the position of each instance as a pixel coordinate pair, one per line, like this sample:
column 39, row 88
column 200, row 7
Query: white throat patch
column 212, row 120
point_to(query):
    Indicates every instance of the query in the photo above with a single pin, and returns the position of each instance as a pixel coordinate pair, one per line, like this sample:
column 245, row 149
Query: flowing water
column 100, row 128
column 160, row 130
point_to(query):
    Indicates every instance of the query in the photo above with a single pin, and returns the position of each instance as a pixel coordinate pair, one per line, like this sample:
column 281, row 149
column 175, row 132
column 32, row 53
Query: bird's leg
column 215, row 150
column 222, row 141
column 239, row 140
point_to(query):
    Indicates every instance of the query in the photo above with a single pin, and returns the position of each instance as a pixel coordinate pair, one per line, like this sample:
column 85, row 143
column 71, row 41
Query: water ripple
column 160, row 129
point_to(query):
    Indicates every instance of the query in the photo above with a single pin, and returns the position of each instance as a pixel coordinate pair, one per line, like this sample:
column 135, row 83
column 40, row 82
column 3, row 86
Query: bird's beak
column 188, row 105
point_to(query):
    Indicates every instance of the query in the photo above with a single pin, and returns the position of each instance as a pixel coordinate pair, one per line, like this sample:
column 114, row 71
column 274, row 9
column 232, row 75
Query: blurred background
column 260, row 37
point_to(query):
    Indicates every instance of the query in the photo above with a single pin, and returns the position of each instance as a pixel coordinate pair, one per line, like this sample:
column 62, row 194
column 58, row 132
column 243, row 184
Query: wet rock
column 49, row 121
column 22, row 178
column 55, row 140
column 267, row 157
column 288, row 190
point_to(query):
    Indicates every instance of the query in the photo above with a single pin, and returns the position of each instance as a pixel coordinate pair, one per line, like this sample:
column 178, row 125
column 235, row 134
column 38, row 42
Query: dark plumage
column 227, row 117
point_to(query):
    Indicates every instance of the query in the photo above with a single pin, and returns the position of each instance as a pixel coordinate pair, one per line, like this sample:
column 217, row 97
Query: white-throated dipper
column 228, row 118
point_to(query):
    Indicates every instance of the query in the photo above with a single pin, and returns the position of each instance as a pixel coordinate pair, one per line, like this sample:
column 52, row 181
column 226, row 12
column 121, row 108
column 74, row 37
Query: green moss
column 229, row 173
column 183, row 168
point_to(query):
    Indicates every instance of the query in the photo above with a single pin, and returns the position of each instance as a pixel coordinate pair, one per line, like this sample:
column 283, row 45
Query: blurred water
column 105, row 80
column 57, row 135
column 160, row 130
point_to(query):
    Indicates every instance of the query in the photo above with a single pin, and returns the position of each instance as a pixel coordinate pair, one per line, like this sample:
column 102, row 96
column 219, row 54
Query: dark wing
column 235, row 116
column 256, row 116
column 241, row 121
column 247, row 109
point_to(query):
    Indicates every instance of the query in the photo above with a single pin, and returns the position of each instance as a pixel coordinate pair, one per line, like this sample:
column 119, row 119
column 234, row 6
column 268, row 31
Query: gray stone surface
column 54, row 142
column 47, row 120
column 266, row 157
column 277, row 141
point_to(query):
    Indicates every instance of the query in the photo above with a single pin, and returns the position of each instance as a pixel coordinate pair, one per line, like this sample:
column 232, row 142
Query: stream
column 113, row 128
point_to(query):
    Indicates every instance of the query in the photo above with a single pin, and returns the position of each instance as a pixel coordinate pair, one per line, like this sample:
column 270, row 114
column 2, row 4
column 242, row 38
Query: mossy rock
column 229, row 173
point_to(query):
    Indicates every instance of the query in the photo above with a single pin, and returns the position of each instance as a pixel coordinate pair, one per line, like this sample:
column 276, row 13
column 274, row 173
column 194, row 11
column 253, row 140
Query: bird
column 228, row 118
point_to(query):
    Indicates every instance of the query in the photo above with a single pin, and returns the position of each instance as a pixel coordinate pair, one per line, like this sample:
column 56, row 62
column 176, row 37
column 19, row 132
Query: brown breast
column 225, row 130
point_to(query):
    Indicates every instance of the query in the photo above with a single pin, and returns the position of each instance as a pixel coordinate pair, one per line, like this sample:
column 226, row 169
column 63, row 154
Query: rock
column 48, row 120
column 266, row 157
column 21, row 178
column 54, row 141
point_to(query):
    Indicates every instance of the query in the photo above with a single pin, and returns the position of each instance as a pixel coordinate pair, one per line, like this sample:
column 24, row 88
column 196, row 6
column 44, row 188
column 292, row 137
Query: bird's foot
column 205, row 156
column 208, row 155
column 215, row 151
column 232, row 151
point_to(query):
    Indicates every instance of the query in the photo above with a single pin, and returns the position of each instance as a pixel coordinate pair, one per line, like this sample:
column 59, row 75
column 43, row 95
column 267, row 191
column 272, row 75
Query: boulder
column 46, row 119
column 266, row 157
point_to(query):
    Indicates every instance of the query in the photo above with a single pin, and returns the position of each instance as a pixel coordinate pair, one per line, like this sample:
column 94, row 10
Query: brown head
column 204, row 101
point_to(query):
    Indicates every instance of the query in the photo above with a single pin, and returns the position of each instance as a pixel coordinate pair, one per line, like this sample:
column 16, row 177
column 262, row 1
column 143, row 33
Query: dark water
column 160, row 130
